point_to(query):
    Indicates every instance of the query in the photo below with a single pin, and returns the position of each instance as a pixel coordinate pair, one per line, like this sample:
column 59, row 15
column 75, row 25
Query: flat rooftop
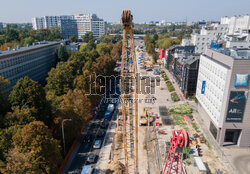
column 240, row 53
column 27, row 48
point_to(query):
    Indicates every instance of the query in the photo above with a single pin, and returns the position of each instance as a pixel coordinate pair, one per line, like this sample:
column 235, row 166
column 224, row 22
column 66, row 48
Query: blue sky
column 110, row 10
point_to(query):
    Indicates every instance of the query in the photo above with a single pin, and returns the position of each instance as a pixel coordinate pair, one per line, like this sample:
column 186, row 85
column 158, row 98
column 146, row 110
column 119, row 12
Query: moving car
column 91, row 158
column 88, row 169
column 97, row 144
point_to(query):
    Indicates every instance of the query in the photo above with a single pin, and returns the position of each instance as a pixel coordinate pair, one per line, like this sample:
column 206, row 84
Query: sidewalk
column 177, row 89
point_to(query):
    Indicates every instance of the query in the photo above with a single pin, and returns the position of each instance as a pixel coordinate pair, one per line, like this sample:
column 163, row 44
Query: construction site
column 151, row 136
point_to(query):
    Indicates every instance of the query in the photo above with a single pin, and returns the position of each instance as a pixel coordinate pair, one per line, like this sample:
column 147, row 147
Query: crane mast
column 129, row 95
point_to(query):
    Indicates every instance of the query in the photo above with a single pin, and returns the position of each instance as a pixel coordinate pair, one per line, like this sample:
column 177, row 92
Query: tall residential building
column 70, row 25
column 207, row 34
column 33, row 61
column 236, row 24
column 223, row 95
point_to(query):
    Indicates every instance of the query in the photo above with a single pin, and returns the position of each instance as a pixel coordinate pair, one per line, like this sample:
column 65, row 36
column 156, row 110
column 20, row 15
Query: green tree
column 87, row 37
column 20, row 116
column 36, row 151
column 83, row 48
column 6, row 140
column 102, row 48
column 29, row 94
column 60, row 79
column 28, row 40
column 3, row 102
column 73, row 38
column 61, row 53
column 12, row 35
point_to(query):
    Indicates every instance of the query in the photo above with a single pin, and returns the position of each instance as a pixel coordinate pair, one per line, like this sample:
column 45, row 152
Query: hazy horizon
column 110, row 10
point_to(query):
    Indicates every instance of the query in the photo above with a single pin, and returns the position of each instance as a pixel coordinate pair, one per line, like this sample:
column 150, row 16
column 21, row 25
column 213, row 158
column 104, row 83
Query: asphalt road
column 93, row 127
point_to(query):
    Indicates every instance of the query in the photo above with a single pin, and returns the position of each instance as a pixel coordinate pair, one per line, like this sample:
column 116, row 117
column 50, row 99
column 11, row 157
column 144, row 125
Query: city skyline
column 110, row 10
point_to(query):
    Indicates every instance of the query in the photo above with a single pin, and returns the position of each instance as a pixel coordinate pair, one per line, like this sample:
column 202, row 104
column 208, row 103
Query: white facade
column 215, row 76
column 185, row 42
column 89, row 23
column 238, row 41
column 77, row 25
column 236, row 24
column 207, row 34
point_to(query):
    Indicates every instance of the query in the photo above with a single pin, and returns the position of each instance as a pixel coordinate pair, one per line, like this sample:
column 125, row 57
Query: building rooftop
column 19, row 49
column 240, row 53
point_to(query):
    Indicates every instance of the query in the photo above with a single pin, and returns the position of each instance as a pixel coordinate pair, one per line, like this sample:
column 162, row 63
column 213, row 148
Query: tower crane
column 129, row 96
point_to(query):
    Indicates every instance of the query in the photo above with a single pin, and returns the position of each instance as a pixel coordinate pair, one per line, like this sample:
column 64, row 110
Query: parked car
column 107, row 115
column 104, row 124
column 111, row 107
column 100, row 133
column 91, row 158
column 87, row 138
column 156, row 72
column 97, row 144
column 149, row 69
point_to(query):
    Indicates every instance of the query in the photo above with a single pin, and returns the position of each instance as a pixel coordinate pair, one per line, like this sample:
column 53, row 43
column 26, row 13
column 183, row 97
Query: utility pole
column 63, row 133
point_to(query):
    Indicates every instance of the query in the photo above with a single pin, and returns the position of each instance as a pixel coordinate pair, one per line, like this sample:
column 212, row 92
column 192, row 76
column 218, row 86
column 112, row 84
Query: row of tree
column 31, row 117
column 11, row 37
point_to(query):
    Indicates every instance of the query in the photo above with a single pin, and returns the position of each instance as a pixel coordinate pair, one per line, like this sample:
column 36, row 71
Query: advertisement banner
column 203, row 87
column 236, row 106
column 241, row 79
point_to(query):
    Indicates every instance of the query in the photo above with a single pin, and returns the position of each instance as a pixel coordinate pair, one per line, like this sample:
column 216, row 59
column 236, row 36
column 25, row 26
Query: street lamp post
column 63, row 133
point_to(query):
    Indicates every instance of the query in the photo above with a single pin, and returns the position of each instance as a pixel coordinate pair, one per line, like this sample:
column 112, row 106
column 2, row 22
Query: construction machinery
column 129, row 93
column 146, row 118
column 180, row 140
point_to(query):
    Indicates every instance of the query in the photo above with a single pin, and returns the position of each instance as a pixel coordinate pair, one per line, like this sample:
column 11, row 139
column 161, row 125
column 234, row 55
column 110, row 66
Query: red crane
column 173, row 163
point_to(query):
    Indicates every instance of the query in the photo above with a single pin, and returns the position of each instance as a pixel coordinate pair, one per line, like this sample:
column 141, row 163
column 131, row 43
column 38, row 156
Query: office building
column 183, row 64
column 223, row 95
column 236, row 24
column 70, row 25
column 214, row 32
column 33, row 61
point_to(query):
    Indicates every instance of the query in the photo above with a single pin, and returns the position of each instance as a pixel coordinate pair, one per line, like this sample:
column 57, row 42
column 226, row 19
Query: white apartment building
column 70, row 25
column 236, row 24
column 238, row 41
column 222, row 92
column 89, row 23
column 207, row 34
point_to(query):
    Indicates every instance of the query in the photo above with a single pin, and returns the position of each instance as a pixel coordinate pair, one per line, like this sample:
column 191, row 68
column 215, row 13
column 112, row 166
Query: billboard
column 241, row 79
column 203, row 87
column 236, row 106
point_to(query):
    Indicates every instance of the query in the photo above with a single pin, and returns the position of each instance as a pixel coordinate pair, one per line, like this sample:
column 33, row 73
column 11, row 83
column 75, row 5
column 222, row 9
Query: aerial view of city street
column 125, row 87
